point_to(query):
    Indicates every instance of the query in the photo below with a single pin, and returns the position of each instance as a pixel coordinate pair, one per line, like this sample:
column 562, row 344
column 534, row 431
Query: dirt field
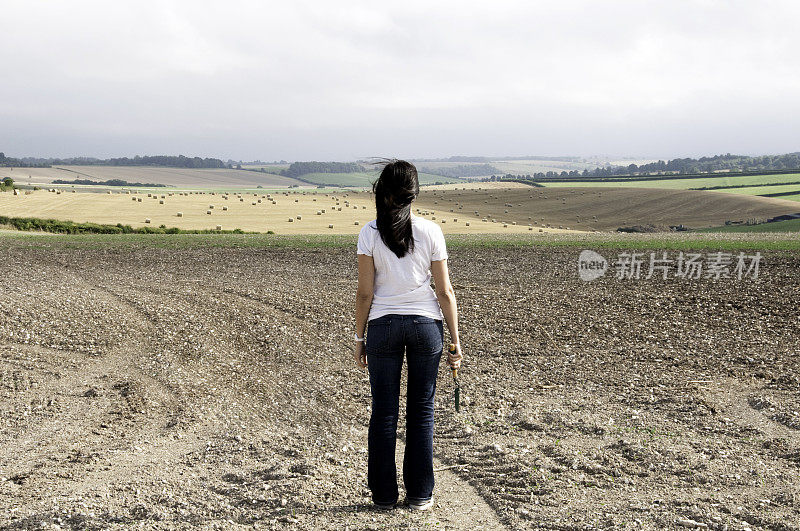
column 179, row 177
column 606, row 209
column 214, row 386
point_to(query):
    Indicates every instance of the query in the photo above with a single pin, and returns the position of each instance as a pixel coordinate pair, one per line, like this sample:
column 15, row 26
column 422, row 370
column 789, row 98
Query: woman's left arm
column 366, row 284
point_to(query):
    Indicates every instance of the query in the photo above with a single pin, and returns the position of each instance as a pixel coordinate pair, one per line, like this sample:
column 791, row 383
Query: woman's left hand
column 360, row 355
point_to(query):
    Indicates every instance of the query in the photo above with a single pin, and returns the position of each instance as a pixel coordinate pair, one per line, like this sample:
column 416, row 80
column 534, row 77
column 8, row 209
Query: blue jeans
column 422, row 340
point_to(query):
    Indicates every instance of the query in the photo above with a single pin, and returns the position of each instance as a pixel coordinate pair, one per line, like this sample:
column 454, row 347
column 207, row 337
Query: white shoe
column 423, row 505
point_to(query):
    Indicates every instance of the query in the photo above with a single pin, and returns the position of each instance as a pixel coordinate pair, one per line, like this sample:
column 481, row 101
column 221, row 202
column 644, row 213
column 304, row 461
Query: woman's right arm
column 447, row 301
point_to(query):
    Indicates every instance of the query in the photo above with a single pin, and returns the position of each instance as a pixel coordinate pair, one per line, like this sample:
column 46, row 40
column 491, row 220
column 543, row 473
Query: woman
column 397, row 253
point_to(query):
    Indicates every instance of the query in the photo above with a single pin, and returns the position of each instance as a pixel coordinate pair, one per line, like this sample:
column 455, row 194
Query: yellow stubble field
column 309, row 212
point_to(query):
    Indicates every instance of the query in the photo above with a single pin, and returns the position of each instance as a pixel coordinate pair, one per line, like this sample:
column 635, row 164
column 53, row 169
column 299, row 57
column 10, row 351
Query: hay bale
column 291, row 220
column 224, row 208
column 208, row 212
column 160, row 201
column 298, row 218
column 147, row 220
column 139, row 199
column 356, row 222
column 219, row 227
column 330, row 226
column 180, row 214
column 467, row 223
column 210, row 207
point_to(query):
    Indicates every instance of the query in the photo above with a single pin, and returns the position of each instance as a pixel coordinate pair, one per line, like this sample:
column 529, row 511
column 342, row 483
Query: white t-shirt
column 403, row 285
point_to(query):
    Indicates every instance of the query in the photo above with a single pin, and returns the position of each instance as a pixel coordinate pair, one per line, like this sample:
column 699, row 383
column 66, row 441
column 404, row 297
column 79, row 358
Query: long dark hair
column 394, row 190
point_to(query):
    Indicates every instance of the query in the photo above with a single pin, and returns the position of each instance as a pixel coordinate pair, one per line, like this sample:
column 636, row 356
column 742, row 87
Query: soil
column 215, row 387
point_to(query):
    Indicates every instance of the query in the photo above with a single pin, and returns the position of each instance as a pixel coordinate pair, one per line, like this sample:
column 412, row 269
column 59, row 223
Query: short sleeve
column 438, row 245
column 365, row 241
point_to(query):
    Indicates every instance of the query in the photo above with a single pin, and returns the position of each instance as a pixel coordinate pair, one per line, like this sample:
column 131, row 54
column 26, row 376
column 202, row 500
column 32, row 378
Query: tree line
column 170, row 161
column 297, row 169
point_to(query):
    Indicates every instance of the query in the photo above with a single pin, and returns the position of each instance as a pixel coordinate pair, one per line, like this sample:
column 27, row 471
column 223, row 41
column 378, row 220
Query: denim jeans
column 422, row 340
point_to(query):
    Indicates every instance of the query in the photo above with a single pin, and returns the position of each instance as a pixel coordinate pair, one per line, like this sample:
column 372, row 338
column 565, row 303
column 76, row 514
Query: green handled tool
column 452, row 350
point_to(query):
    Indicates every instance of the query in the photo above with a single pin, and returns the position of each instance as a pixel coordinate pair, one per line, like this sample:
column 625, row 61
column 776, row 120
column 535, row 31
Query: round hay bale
column 224, row 208
column 254, row 203
column 291, row 220
column 160, row 201
column 541, row 230
column 147, row 220
column 133, row 198
column 319, row 213
column 505, row 225
column 467, row 223
column 299, row 217
column 208, row 212
column 356, row 222
column 180, row 214
column 210, row 207
column 139, row 199
column 219, row 227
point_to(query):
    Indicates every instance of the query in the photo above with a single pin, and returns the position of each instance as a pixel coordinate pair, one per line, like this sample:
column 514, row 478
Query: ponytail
column 394, row 190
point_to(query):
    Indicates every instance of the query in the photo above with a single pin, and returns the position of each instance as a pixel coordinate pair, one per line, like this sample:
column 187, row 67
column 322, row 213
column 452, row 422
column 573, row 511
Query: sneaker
column 385, row 506
column 420, row 505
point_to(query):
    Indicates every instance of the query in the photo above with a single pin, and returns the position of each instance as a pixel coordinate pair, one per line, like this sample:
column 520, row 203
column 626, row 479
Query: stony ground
column 214, row 387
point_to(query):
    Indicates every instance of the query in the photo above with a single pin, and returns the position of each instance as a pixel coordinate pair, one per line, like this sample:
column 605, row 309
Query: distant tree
column 8, row 182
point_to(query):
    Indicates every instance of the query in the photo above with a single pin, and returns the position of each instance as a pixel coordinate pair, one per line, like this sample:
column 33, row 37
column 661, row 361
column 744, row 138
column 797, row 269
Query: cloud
column 313, row 79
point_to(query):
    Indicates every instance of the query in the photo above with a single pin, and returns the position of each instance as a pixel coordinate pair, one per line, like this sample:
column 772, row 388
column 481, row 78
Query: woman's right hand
column 454, row 358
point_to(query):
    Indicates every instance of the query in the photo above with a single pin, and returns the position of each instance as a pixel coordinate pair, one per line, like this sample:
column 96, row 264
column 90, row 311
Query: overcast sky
column 325, row 80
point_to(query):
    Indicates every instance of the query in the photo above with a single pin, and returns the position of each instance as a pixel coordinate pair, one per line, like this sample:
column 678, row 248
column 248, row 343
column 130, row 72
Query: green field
column 794, row 197
column 714, row 241
column 366, row 178
column 686, row 184
column 792, row 225
column 760, row 190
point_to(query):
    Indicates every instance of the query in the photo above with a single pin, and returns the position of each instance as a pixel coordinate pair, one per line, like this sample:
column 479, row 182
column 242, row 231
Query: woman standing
column 397, row 254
